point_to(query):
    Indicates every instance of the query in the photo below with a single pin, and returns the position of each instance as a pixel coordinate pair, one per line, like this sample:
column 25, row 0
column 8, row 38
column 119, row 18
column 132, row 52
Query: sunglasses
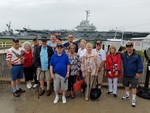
column 129, row 46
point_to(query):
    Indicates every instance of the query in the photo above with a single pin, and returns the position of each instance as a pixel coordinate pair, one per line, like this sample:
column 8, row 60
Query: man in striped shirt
column 14, row 61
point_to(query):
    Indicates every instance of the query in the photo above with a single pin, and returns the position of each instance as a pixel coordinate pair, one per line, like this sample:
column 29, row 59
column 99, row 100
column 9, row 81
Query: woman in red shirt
column 27, row 65
column 113, row 70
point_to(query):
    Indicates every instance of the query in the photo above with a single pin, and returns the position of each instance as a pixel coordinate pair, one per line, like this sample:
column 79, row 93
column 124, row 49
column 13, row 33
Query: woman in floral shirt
column 89, row 67
column 74, row 69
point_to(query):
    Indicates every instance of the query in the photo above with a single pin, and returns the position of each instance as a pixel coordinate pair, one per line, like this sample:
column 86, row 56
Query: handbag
column 77, row 84
column 96, row 92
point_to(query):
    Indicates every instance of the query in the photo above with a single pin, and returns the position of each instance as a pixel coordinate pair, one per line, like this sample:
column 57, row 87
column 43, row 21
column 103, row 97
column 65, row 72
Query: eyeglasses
column 72, row 48
column 98, row 44
column 59, row 48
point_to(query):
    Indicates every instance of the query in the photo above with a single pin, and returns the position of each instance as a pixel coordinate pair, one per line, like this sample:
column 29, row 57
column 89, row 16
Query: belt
column 129, row 76
column 17, row 64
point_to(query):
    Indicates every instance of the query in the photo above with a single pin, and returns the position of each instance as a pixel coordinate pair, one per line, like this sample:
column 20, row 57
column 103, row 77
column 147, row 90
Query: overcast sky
column 130, row 15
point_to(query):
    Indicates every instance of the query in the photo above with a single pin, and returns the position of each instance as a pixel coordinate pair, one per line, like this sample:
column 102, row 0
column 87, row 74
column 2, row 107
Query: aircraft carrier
column 83, row 30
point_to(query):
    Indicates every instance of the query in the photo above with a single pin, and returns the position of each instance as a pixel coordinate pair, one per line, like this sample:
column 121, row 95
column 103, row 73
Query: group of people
column 60, row 65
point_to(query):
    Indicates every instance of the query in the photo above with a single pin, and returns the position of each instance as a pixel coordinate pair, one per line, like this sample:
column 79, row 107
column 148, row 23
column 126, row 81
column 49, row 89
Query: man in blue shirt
column 59, row 69
column 70, row 41
column 132, row 69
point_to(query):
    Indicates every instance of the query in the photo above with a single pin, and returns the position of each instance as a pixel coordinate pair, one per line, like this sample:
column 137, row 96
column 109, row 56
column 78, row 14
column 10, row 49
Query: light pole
column 115, row 33
column 122, row 37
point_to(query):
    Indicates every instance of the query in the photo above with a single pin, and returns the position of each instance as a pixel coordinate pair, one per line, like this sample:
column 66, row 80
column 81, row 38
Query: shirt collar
column 44, row 47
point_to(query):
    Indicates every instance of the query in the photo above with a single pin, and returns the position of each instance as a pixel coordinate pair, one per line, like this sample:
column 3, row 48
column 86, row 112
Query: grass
column 9, row 43
column 141, row 53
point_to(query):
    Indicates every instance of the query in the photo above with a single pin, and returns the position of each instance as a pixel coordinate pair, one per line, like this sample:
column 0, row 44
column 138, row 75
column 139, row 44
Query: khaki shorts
column 60, row 83
column 43, row 75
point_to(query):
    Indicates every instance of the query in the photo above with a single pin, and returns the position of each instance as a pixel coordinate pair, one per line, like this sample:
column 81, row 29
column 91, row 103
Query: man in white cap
column 132, row 69
column 14, row 61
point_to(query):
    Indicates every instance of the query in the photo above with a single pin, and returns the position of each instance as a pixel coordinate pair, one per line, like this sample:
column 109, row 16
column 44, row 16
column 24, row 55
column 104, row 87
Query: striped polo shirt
column 12, row 57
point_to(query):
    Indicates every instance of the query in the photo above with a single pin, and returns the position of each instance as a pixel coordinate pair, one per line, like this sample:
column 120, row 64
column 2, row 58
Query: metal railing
column 5, row 72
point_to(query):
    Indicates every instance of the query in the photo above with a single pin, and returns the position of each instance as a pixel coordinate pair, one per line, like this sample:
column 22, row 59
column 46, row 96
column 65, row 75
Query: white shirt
column 81, row 52
column 101, row 55
column 12, row 57
column 53, row 45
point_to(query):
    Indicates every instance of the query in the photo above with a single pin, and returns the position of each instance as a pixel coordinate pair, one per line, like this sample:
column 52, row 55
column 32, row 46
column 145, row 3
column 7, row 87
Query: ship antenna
column 87, row 14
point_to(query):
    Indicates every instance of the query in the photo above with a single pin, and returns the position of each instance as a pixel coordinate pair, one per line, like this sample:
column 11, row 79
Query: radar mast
column 87, row 14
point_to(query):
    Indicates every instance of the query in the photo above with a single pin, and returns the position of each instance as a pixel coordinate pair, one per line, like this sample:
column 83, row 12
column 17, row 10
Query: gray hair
column 26, row 43
column 89, row 44
column 83, row 41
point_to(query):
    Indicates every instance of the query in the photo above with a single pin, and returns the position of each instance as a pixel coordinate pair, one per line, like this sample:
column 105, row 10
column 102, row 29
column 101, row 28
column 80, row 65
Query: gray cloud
column 130, row 15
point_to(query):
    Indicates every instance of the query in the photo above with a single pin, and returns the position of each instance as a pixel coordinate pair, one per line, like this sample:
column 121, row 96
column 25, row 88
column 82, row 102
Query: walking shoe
column 16, row 94
column 73, row 95
column 108, row 93
column 41, row 92
column 133, row 101
column 125, row 97
column 28, row 86
column 69, row 94
column 56, row 99
column 48, row 92
column 64, row 99
column 20, row 90
column 114, row 95
column 35, row 86
column 86, row 98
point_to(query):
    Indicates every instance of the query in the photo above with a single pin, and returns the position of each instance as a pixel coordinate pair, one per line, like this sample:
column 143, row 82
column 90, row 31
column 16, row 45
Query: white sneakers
column 29, row 85
column 35, row 86
column 57, row 99
column 64, row 100
column 125, row 97
column 133, row 101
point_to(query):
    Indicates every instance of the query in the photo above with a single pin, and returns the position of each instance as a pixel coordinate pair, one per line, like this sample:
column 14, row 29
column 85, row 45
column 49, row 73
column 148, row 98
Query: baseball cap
column 129, row 44
column 43, row 39
column 35, row 39
column 99, row 42
column 60, row 45
column 15, row 40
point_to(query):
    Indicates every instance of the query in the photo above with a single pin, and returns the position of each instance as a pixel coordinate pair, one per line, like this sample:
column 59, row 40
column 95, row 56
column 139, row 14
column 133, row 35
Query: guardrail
column 5, row 72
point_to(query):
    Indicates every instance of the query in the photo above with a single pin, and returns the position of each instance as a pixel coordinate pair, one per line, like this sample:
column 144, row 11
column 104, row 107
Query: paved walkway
column 29, row 103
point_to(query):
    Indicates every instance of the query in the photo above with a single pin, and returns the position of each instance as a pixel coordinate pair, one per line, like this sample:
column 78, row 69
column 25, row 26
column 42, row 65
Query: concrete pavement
column 29, row 103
